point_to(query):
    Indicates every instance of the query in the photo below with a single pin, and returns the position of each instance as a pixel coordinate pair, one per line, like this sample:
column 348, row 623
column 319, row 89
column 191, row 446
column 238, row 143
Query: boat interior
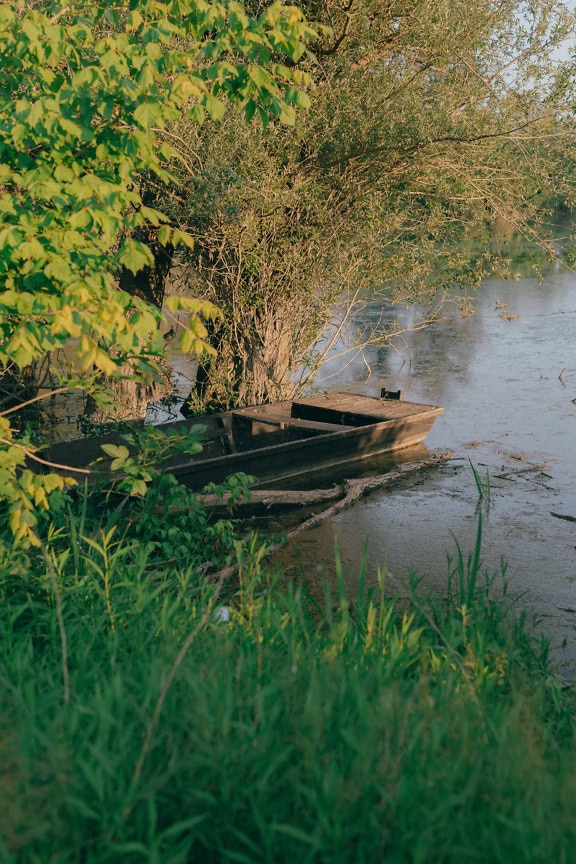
column 246, row 429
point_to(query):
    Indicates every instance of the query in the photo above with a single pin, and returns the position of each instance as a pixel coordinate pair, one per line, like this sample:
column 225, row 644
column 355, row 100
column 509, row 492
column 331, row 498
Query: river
column 506, row 378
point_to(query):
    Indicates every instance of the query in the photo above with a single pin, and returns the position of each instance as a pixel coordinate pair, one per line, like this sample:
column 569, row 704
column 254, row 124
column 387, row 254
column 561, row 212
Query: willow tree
column 429, row 123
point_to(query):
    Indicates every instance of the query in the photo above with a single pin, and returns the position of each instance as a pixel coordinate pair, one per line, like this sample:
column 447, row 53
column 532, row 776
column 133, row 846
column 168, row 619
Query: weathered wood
column 358, row 487
column 260, row 499
column 283, row 422
column 319, row 432
column 268, row 498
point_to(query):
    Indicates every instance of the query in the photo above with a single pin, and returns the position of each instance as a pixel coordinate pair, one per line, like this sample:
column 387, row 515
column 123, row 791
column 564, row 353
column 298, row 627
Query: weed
column 361, row 729
column 483, row 486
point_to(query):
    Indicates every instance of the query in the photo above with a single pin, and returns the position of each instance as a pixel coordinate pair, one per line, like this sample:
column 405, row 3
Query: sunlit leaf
column 117, row 451
column 135, row 255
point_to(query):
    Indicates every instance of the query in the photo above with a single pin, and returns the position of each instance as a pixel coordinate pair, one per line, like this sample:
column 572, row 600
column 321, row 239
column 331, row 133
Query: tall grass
column 356, row 730
column 483, row 487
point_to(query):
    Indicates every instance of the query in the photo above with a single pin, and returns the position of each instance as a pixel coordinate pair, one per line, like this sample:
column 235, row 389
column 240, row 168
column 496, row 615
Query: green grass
column 483, row 486
column 137, row 727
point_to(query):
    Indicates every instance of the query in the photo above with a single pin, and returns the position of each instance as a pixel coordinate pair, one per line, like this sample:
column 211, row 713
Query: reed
column 482, row 485
column 358, row 729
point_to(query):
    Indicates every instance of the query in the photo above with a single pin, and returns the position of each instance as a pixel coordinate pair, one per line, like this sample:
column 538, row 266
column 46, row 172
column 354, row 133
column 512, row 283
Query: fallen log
column 358, row 487
column 267, row 498
column 354, row 489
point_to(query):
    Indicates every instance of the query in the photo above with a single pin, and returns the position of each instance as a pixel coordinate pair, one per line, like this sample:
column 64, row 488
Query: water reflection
column 497, row 376
column 439, row 353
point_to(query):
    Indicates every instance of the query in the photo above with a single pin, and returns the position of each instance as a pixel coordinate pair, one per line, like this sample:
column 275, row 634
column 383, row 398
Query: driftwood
column 563, row 516
column 260, row 499
column 267, row 498
column 352, row 491
column 360, row 486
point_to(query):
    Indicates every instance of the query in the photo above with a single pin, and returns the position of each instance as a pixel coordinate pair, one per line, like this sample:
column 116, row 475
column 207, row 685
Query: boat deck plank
column 385, row 409
column 284, row 422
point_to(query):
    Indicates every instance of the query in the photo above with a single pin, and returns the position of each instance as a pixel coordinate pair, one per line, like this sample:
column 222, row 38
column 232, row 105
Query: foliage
column 134, row 467
column 85, row 93
column 430, row 124
column 137, row 726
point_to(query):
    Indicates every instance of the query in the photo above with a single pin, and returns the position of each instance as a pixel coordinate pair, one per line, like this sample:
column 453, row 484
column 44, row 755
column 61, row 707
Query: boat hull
column 285, row 460
column 277, row 442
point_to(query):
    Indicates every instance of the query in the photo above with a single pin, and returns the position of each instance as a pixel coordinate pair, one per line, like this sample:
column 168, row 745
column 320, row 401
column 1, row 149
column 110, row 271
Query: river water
column 506, row 378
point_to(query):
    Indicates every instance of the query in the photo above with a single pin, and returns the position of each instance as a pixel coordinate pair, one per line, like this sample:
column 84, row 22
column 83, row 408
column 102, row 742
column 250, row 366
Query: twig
column 60, row 14
column 34, row 399
column 32, row 455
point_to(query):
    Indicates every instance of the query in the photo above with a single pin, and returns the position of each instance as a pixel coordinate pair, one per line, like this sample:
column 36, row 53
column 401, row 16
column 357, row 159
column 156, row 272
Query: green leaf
column 117, row 451
column 138, row 487
column 198, row 114
column 165, row 233
column 250, row 110
column 149, row 114
column 297, row 97
column 215, row 108
column 185, row 87
column 260, row 77
column 181, row 238
column 7, row 15
column 135, row 256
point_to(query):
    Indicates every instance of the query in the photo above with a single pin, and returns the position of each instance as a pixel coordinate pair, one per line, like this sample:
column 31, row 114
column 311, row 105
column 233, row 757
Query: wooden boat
column 274, row 442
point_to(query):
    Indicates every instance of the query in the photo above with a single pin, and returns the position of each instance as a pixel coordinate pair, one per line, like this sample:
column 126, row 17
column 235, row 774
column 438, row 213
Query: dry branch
column 353, row 490
column 358, row 487
column 268, row 498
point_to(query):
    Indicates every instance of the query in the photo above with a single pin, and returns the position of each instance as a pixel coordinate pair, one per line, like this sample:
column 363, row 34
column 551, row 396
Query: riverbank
column 154, row 714
column 507, row 409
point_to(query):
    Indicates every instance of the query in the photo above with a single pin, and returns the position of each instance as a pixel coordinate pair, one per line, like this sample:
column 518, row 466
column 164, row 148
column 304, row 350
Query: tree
column 86, row 91
column 429, row 124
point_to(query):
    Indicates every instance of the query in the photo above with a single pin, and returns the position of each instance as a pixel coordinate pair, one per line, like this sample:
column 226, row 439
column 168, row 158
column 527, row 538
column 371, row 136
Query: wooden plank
column 360, row 410
column 283, row 422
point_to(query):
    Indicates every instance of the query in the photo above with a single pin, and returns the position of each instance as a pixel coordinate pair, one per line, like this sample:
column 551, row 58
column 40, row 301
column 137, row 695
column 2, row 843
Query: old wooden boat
column 278, row 441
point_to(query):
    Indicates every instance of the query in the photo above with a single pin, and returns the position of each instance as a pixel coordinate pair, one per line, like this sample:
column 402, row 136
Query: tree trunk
column 126, row 399
column 254, row 369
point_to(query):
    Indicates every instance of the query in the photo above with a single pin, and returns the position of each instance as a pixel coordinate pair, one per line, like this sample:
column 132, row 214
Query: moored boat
column 277, row 441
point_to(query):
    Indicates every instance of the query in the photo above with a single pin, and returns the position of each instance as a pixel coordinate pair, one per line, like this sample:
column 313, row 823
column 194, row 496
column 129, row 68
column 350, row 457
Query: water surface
column 508, row 388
